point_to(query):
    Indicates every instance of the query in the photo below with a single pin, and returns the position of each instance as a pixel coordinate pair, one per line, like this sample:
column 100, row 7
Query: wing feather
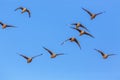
column 24, row 56
column 51, row 53
column 89, row 34
column 87, row 11
column 76, row 41
column 19, row 8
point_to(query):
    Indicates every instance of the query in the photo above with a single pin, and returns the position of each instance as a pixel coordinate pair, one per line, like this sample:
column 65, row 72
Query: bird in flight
column 82, row 32
column 79, row 25
column 105, row 56
column 29, row 59
column 92, row 15
column 72, row 39
column 53, row 55
column 24, row 10
column 5, row 25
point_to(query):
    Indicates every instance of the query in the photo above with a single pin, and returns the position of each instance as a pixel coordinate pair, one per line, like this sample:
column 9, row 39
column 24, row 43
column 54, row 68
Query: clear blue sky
column 48, row 27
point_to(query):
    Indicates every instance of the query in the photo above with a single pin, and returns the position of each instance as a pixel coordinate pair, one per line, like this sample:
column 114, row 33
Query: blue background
column 48, row 26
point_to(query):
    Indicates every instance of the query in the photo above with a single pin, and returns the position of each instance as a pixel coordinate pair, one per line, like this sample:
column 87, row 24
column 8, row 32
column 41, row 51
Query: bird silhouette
column 72, row 39
column 24, row 10
column 53, row 55
column 79, row 25
column 82, row 32
column 5, row 25
column 92, row 15
column 105, row 56
column 29, row 59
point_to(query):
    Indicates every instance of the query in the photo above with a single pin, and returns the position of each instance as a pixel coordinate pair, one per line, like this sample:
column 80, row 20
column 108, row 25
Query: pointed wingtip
column 72, row 28
column 29, row 16
column 93, row 37
column 62, row 43
column 96, row 50
column 41, row 54
column 43, row 47
column 80, row 47
column 18, row 53
column 82, row 7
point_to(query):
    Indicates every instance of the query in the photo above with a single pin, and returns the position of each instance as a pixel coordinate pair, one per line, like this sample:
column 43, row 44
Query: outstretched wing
column 111, row 54
column 19, row 8
column 10, row 26
column 76, row 41
column 36, row 56
column 98, row 13
column 87, row 11
column 59, row 54
column 29, row 13
column 24, row 56
column 89, row 34
column 102, row 53
column 64, row 41
column 51, row 53
column 83, row 27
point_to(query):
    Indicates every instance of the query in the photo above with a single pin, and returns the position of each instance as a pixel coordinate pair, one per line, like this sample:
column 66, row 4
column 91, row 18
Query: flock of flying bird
column 83, row 32
column 72, row 39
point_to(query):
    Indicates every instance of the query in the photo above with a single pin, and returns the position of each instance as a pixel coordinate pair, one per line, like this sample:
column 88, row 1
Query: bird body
column 29, row 59
column 24, row 10
column 92, row 15
column 52, row 55
column 105, row 56
column 72, row 39
column 5, row 25
column 82, row 32
column 79, row 25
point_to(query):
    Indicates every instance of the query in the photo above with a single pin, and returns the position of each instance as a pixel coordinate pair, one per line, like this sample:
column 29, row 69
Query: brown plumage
column 24, row 10
column 5, row 25
column 92, row 15
column 79, row 25
column 82, row 32
column 29, row 59
column 105, row 56
column 53, row 55
column 72, row 39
